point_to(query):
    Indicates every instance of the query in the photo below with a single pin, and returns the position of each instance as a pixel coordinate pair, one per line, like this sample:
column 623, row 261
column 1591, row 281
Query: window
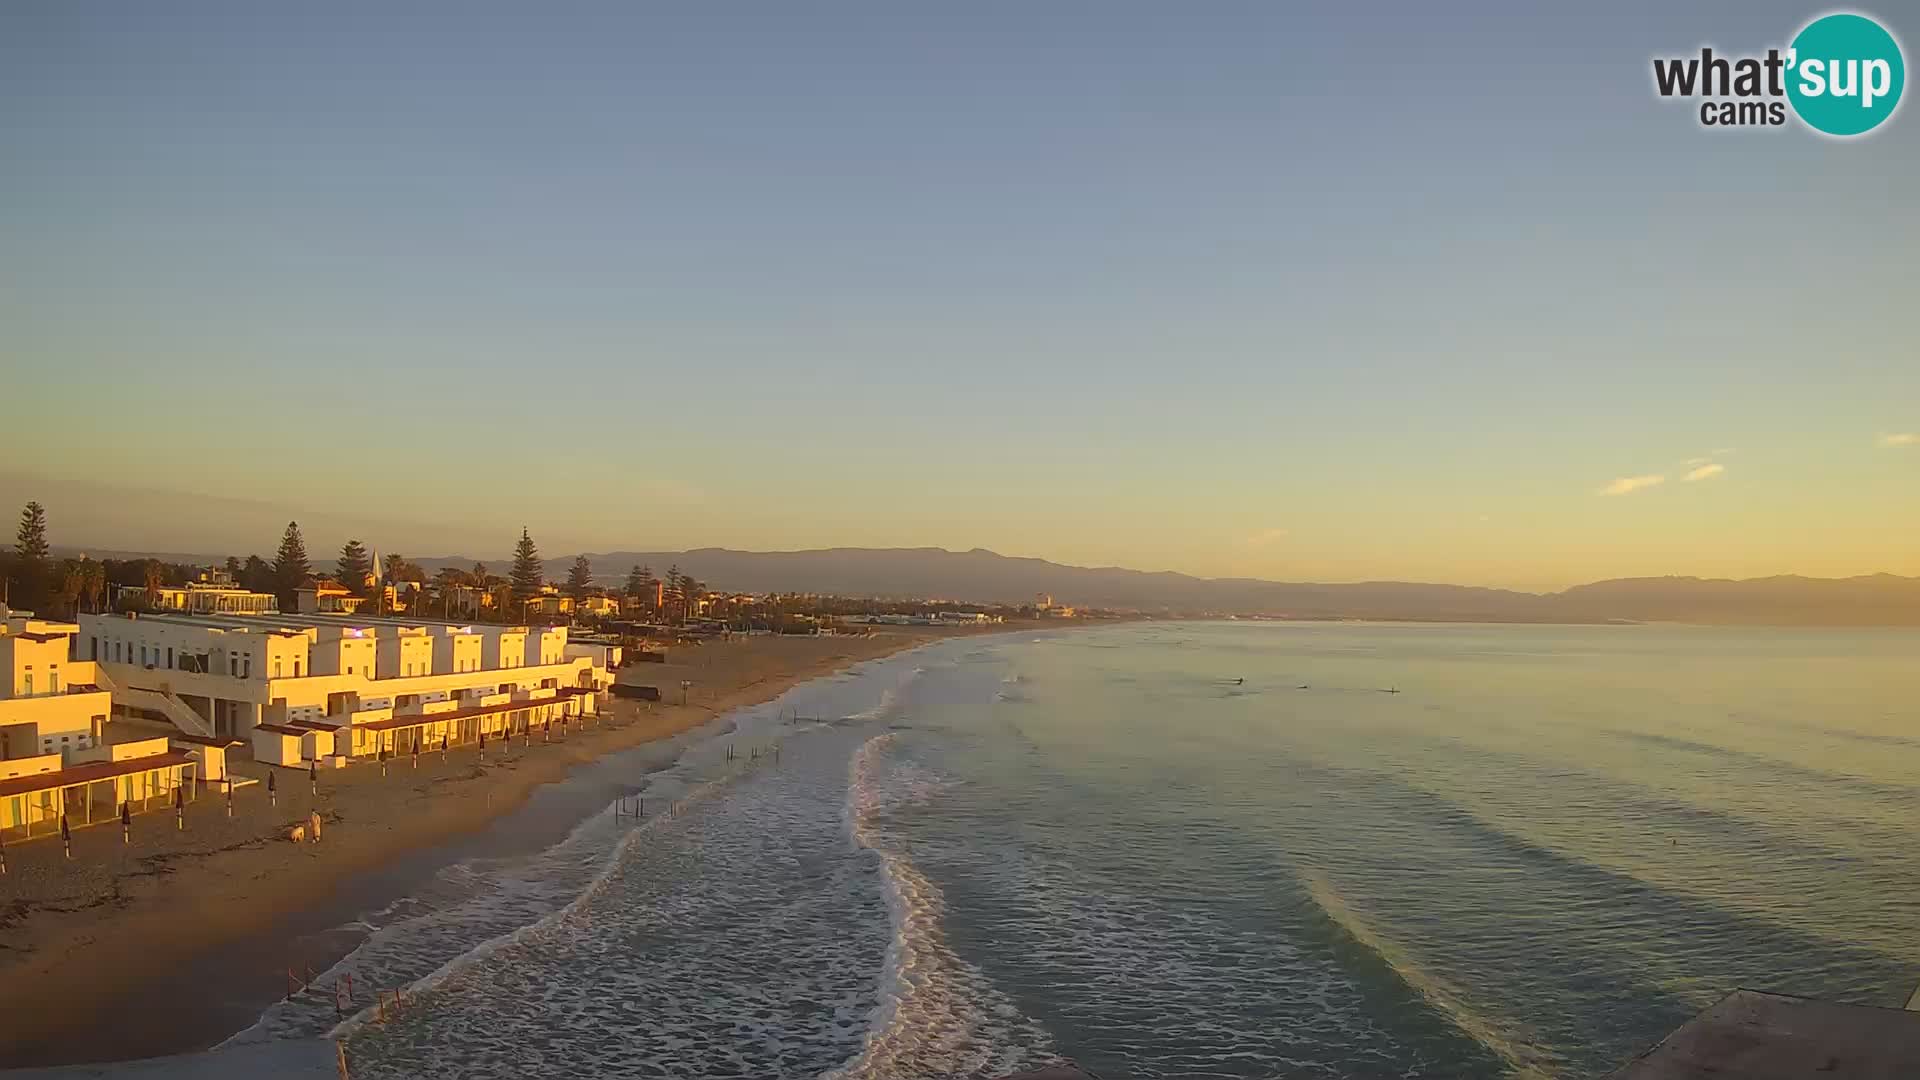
column 246, row 667
column 276, row 667
column 53, row 682
column 27, row 686
column 169, row 656
column 296, row 669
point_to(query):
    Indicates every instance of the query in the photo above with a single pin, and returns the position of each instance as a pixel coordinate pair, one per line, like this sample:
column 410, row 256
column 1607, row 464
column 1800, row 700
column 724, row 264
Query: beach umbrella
column 66, row 835
column 313, row 777
column 272, row 798
column 126, row 822
column 179, row 808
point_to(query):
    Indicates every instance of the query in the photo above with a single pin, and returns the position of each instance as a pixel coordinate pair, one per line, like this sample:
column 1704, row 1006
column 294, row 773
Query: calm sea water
column 1546, row 849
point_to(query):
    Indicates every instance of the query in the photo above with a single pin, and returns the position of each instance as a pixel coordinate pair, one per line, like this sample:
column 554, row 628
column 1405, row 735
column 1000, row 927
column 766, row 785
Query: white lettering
column 1852, row 84
column 1875, row 87
column 1813, row 78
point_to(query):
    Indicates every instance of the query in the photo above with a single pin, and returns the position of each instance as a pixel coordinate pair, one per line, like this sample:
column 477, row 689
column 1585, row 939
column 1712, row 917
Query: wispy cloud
column 1705, row 472
column 1265, row 537
column 1627, row 485
column 1899, row 438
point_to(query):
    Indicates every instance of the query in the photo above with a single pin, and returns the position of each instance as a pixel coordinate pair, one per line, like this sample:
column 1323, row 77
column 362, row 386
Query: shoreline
column 160, row 946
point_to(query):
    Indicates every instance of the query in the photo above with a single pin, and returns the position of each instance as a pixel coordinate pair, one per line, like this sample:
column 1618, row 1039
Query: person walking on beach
column 313, row 826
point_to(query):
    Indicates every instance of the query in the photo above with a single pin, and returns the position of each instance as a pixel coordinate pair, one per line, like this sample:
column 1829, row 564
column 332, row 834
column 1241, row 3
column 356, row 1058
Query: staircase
column 163, row 702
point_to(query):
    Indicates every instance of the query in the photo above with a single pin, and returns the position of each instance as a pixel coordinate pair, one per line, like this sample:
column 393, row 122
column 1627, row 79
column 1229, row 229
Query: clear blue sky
column 1369, row 291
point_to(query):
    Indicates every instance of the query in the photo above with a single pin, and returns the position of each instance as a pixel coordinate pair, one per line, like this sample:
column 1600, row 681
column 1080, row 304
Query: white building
column 214, row 594
column 50, row 704
column 224, row 676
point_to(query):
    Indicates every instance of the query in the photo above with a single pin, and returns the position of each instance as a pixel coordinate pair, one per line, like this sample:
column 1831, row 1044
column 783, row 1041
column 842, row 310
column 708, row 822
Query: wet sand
column 179, row 939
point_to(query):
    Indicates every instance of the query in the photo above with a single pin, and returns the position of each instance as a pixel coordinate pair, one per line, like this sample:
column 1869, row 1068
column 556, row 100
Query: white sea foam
column 937, row 1014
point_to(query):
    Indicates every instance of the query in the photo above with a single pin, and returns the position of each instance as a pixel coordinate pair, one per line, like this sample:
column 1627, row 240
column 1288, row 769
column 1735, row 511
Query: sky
column 1339, row 292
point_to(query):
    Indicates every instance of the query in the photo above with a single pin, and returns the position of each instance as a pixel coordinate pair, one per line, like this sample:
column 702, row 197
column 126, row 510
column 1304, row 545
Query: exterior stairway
column 160, row 702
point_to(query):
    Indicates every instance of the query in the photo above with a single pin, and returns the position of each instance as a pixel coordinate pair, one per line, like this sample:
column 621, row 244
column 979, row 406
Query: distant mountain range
column 982, row 576
column 985, row 577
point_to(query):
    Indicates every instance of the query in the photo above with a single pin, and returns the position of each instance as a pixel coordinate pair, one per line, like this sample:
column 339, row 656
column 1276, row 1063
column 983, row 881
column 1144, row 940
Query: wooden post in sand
column 229, row 796
column 273, row 798
column 179, row 809
column 126, row 823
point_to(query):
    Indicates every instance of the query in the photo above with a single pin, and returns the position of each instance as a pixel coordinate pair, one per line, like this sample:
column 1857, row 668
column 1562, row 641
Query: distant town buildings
column 327, row 596
column 213, row 594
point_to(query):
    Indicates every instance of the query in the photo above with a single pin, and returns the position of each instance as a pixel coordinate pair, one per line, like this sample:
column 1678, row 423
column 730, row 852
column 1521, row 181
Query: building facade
column 50, row 704
column 223, row 677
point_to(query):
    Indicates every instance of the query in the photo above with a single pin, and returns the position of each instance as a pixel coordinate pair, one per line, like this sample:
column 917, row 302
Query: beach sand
column 96, row 952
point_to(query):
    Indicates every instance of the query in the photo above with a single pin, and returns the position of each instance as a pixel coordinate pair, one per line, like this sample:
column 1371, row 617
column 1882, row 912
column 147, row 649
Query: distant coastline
column 985, row 577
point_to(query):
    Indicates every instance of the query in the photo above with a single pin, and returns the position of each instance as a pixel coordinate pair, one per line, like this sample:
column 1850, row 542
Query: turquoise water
column 1543, row 850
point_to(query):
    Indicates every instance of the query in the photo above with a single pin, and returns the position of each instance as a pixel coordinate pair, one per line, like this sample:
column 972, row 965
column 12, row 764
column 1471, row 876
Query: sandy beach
column 95, row 951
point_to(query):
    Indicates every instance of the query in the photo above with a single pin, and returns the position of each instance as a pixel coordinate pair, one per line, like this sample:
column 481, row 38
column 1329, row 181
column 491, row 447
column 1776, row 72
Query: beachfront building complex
column 55, row 761
column 50, row 705
column 328, row 687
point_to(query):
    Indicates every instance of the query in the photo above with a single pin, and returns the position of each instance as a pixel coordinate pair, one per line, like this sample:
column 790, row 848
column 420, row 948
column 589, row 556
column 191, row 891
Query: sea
column 1234, row 849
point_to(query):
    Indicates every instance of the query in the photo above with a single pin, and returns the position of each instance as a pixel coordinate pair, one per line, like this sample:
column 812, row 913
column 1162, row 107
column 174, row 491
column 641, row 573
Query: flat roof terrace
column 280, row 622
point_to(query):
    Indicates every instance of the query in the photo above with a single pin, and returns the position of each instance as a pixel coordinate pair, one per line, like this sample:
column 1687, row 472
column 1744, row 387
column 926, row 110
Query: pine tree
column 290, row 567
column 30, row 570
column 635, row 583
column 352, row 568
column 31, row 541
column 580, row 578
column 233, row 569
column 528, row 573
column 480, row 575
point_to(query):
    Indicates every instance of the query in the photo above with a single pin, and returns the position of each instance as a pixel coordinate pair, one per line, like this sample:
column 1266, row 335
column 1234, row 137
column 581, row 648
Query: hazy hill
column 981, row 575
column 1872, row 600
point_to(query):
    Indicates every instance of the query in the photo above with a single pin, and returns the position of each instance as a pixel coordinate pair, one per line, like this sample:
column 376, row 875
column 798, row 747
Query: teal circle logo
column 1845, row 74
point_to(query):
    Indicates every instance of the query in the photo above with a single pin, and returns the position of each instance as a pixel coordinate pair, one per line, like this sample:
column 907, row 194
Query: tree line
column 33, row 580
